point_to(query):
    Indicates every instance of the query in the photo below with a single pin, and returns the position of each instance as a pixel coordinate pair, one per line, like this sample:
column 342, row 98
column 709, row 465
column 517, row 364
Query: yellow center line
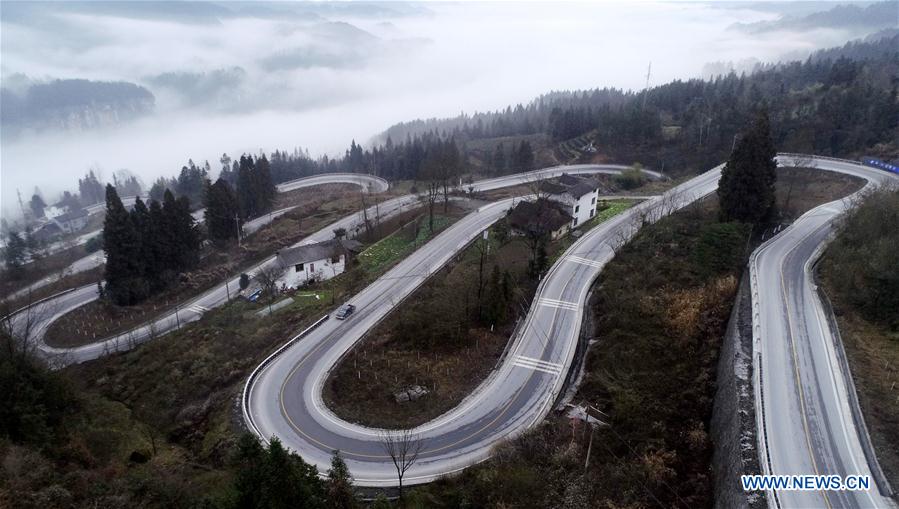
column 796, row 366
column 377, row 456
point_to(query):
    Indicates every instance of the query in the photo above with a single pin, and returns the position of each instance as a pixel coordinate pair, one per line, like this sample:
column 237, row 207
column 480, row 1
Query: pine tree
column 275, row 478
column 14, row 253
column 157, row 190
column 499, row 158
column 124, row 281
column 37, row 205
column 140, row 217
column 497, row 301
column 524, row 157
column 340, row 485
column 187, row 238
column 168, row 239
column 746, row 188
column 221, row 211
column 157, row 249
column 263, row 187
column 246, row 196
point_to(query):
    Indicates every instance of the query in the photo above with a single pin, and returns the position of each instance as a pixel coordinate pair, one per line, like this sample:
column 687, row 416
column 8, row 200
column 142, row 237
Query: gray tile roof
column 581, row 189
column 542, row 216
column 68, row 216
column 315, row 252
column 569, row 184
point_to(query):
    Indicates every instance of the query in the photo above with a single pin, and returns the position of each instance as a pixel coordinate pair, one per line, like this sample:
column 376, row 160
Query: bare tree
column 267, row 279
column 800, row 161
column 534, row 183
column 20, row 330
column 432, row 192
column 365, row 221
column 483, row 247
column 403, row 447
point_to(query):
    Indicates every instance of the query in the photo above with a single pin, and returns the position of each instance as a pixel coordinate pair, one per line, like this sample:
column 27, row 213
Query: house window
column 594, row 200
column 298, row 267
column 592, row 211
column 335, row 259
column 311, row 267
column 577, row 209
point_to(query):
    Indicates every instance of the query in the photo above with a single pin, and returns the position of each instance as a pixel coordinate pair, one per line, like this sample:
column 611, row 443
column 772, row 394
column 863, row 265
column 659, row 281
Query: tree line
column 838, row 102
column 147, row 247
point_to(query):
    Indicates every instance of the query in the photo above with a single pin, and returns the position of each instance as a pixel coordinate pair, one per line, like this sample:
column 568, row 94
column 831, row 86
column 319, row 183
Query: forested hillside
column 73, row 104
column 839, row 102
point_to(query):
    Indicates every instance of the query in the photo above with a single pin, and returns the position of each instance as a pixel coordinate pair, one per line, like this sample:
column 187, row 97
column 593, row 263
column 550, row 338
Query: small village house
column 577, row 195
column 538, row 218
column 71, row 222
column 315, row 262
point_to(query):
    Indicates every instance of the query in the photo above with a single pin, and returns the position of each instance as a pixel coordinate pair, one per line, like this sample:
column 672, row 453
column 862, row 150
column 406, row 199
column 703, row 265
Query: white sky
column 459, row 57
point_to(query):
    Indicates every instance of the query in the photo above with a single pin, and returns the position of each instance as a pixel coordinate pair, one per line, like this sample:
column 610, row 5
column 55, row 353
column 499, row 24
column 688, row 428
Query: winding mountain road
column 37, row 318
column 808, row 423
column 371, row 183
column 283, row 397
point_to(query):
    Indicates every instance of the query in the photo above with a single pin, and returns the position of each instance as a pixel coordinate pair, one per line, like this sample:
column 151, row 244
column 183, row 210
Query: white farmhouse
column 72, row 221
column 578, row 195
column 315, row 262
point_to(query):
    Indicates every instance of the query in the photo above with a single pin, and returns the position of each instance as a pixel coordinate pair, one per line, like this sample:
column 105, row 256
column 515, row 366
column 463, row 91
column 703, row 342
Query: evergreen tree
column 192, row 181
column 746, row 188
column 90, row 189
column 140, row 217
column 524, row 157
column 246, row 196
column 14, row 253
column 221, row 211
column 187, row 238
column 157, row 190
column 263, row 187
column 227, row 174
column 274, row 478
column 37, row 205
column 121, row 241
column 159, row 248
column 499, row 158
column 340, row 485
column 69, row 201
column 497, row 298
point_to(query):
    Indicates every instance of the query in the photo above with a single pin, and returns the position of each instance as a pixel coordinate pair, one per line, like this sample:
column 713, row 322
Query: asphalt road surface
column 808, row 422
column 37, row 318
column 372, row 183
column 284, row 397
column 805, row 416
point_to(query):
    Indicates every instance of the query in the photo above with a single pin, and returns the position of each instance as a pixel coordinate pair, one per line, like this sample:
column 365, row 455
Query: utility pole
column 646, row 88
column 237, row 225
column 589, row 447
column 21, row 205
column 483, row 246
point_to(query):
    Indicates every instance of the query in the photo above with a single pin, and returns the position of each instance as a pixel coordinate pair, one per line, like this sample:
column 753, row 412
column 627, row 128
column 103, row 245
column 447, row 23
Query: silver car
column 344, row 311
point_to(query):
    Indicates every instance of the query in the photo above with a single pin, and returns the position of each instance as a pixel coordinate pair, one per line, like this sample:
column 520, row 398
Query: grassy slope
column 319, row 207
column 179, row 391
column 864, row 252
column 661, row 307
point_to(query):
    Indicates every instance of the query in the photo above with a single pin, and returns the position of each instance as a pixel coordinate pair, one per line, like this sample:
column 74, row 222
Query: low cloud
column 244, row 76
